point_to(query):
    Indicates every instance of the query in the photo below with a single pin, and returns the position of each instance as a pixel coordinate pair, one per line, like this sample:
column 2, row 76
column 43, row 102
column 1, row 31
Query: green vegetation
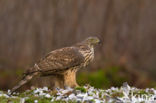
column 31, row 99
column 40, row 100
column 113, row 76
column 102, row 78
column 7, row 100
column 82, row 89
column 83, row 94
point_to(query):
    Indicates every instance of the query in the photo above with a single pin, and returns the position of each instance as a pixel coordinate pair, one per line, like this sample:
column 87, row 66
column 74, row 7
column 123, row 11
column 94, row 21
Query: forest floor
column 84, row 94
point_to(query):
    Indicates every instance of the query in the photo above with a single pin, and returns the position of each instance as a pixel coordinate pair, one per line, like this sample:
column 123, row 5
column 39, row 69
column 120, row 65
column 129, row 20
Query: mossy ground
column 87, row 94
column 103, row 78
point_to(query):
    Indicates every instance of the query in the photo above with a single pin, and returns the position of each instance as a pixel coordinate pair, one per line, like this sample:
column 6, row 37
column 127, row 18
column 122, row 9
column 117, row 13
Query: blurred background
column 127, row 28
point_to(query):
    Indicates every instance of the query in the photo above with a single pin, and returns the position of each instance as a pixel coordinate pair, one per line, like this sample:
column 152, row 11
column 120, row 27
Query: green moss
column 141, row 92
column 100, row 94
column 9, row 100
column 29, row 101
column 60, row 101
column 81, row 89
column 26, row 93
column 44, row 100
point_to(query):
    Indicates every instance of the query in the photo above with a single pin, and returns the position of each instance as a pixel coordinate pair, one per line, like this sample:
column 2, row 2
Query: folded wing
column 59, row 60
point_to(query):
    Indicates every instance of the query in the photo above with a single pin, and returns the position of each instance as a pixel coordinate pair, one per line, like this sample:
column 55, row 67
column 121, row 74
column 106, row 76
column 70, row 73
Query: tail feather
column 25, row 79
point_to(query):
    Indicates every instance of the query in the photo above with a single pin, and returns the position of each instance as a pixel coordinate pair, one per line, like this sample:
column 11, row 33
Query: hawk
column 62, row 63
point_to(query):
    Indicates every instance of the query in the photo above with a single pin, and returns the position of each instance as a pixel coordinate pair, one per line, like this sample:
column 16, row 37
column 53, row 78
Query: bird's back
column 58, row 61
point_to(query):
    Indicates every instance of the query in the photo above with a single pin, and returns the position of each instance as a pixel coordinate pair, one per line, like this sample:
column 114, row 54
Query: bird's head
column 92, row 41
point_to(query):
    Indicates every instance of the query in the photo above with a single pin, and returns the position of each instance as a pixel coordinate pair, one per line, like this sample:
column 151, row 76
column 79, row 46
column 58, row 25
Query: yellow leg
column 70, row 78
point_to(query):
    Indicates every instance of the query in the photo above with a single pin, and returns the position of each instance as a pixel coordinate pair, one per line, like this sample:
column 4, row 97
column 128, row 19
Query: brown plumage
column 63, row 64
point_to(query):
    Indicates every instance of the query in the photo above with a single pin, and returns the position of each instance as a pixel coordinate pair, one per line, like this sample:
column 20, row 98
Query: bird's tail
column 24, row 80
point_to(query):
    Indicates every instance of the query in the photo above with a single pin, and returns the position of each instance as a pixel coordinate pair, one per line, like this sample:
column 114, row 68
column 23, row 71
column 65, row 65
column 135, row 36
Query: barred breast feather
column 88, row 54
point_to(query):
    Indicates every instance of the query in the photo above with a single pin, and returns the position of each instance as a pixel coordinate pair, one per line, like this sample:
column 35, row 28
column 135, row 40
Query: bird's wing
column 59, row 60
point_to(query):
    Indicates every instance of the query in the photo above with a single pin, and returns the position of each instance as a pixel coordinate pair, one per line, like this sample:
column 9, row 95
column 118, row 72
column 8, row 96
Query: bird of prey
column 62, row 63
